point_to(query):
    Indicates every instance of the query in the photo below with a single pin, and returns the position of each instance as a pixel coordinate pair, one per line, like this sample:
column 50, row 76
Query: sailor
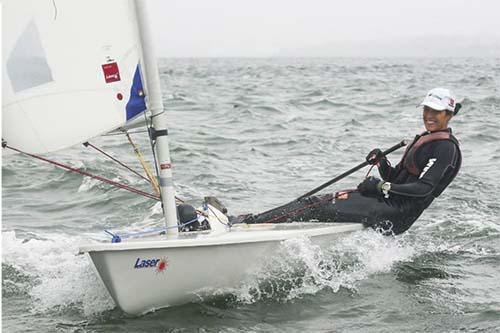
column 394, row 202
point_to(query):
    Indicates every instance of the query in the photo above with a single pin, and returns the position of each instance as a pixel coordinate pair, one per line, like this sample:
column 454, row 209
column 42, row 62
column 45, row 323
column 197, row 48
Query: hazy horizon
column 321, row 28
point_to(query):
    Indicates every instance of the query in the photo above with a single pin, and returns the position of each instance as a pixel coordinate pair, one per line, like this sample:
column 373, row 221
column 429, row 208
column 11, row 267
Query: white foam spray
column 61, row 278
column 300, row 267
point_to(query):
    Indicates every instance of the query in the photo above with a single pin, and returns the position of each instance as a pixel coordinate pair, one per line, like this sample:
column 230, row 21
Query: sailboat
column 75, row 70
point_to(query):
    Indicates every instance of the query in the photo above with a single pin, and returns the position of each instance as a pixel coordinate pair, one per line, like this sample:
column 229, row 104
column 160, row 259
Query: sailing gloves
column 374, row 156
column 371, row 187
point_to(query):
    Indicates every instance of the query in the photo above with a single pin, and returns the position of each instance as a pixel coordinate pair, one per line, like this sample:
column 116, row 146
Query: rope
column 84, row 173
column 149, row 124
column 118, row 238
column 226, row 224
column 300, row 210
column 158, row 114
column 152, row 178
column 131, row 132
column 369, row 170
column 179, row 200
column 86, row 144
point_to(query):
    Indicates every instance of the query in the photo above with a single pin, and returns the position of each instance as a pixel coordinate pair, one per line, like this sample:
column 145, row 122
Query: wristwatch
column 385, row 188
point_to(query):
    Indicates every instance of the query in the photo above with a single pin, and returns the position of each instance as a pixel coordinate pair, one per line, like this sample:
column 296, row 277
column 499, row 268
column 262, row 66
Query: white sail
column 70, row 71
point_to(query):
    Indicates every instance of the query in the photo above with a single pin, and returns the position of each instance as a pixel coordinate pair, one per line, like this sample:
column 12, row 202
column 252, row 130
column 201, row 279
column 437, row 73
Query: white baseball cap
column 440, row 99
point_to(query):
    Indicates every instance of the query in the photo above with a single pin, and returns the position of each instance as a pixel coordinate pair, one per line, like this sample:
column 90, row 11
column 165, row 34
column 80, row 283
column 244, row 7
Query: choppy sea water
column 257, row 133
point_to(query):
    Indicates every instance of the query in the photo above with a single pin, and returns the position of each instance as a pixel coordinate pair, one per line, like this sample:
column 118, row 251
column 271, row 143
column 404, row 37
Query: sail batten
column 69, row 73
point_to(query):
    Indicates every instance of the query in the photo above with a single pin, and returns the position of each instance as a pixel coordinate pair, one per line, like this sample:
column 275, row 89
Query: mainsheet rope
column 292, row 213
column 328, row 197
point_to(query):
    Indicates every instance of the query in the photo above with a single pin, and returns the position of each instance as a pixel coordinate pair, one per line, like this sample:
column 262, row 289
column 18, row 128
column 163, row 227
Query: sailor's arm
column 376, row 157
column 387, row 171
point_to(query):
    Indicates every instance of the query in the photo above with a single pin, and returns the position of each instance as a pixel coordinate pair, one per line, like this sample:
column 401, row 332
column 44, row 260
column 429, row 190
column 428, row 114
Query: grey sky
column 281, row 27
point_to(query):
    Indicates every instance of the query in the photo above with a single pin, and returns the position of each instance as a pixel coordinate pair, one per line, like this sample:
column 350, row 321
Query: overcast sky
column 192, row 28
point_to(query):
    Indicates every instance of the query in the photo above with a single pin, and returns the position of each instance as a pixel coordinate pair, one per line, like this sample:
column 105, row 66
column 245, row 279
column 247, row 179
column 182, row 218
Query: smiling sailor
column 394, row 202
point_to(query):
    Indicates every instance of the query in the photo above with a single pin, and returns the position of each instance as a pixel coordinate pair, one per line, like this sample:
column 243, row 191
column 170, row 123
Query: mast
column 154, row 104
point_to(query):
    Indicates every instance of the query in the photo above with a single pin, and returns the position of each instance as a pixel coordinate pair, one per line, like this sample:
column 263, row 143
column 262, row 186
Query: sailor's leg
column 373, row 212
column 352, row 207
column 295, row 211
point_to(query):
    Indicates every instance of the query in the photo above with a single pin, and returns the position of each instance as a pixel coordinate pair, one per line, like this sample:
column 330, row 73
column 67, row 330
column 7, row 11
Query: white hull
column 194, row 261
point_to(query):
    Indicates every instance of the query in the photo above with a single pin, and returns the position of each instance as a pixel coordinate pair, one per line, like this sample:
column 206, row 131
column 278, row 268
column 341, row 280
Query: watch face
column 386, row 187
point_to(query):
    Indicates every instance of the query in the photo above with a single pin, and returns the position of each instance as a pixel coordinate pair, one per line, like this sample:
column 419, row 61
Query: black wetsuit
column 427, row 168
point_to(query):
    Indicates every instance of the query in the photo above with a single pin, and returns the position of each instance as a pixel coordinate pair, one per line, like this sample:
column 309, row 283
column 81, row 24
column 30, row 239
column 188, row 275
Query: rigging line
column 149, row 124
column 131, row 132
column 153, row 146
column 146, row 167
column 369, row 170
column 158, row 114
column 84, row 173
column 117, row 238
column 86, row 144
column 152, row 180
column 226, row 224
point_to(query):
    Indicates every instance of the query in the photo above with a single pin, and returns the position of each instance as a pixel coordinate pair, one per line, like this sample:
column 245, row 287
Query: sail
column 70, row 71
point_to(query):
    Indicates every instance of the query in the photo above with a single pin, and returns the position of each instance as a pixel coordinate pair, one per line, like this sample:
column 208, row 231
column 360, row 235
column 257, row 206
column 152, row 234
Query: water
column 257, row 133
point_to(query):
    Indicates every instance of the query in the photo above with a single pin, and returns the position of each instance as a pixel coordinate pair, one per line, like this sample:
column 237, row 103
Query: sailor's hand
column 371, row 186
column 374, row 156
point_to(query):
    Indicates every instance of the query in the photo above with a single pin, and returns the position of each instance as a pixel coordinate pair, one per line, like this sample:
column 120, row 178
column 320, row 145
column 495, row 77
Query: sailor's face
column 435, row 120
